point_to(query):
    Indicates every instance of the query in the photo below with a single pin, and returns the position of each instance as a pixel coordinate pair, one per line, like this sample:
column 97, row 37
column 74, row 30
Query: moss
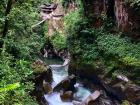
column 38, row 66
column 126, row 103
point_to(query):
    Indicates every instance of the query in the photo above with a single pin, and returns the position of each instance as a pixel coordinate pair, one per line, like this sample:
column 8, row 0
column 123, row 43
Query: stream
column 59, row 73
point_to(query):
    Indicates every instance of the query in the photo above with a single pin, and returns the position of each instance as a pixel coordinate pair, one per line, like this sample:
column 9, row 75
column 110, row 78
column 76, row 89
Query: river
column 59, row 73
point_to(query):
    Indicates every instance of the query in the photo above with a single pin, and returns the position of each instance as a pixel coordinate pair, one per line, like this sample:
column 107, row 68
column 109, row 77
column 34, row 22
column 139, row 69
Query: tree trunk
column 9, row 6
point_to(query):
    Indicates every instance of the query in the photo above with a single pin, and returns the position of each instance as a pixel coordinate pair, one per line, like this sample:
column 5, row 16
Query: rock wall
column 94, row 10
column 56, row 25
column 121, row 15
column 126, row 17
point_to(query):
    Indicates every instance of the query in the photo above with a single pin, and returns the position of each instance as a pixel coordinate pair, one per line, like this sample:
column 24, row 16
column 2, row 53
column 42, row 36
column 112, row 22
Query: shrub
column 59, row 41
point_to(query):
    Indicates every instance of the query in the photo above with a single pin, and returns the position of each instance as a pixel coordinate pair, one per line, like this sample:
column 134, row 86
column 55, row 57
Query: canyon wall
column 126, row 17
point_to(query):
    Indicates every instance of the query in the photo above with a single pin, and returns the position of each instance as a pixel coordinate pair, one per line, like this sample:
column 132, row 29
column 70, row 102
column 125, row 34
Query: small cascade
column 59, row 66
column 84, row 90
column 54, row 99
column 60, row 73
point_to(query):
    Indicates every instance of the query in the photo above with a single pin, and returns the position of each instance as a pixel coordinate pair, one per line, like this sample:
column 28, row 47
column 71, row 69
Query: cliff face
column 126, row 17
column 57, row 24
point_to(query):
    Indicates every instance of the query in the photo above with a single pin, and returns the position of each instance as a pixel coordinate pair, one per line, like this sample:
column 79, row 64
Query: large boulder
column 67, row 84
column 42, row 72
column 87, row 71
column 42, row 78
column 92, row 98
column 47, row 87
column 124, row 87
column 66, row 96
column 113, row 92
column 132, row 93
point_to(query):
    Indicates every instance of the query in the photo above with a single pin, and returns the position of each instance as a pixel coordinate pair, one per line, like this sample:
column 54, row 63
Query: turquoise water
column 59, row 73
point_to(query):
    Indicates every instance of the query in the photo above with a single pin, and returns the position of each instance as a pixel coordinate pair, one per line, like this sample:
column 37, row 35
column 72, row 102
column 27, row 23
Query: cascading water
column 59, row 73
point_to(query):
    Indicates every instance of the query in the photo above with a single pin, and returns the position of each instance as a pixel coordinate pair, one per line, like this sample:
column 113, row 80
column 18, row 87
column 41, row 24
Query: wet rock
column 112, row 92
column 44, row 101
column 42, row 78
column 66, row 96
column 91, row 98
column 102, row 99
column 84, row 71
column 106, row 102
column 67, row 84
column 124, row 89
column 92, row 103
column 41, row 72
column 48, row 75
column 77, row 103
column 123, row 78
column 132, row 93
column 47, row 87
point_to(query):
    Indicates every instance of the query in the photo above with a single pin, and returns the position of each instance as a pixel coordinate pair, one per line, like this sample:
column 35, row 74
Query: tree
column 20, row 46
column 8, row 8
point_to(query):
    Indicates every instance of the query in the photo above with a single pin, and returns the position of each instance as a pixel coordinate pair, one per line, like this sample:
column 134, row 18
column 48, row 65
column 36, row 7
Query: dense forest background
column 19, row 46
column 94, row 33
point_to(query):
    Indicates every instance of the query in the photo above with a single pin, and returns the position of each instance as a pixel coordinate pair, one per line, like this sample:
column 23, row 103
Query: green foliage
column 71, row 19
column 80, row 37
column 17, row 51
column 59, row 41
column 126, row 103
column 65, row 3
column 10, row 87
column 114, row 45
column 12, row 73
column 94, row 46
column 38, row 67
column 45, row 28
column 133, row 3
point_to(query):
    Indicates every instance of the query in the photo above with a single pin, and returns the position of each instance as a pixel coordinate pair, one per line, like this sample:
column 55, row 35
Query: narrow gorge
column 70, row 52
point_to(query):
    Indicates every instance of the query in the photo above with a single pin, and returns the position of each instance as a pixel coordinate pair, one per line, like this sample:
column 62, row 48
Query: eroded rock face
column 48, row 51
column 126, row 17
column 94, row 9
column 67, row 84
